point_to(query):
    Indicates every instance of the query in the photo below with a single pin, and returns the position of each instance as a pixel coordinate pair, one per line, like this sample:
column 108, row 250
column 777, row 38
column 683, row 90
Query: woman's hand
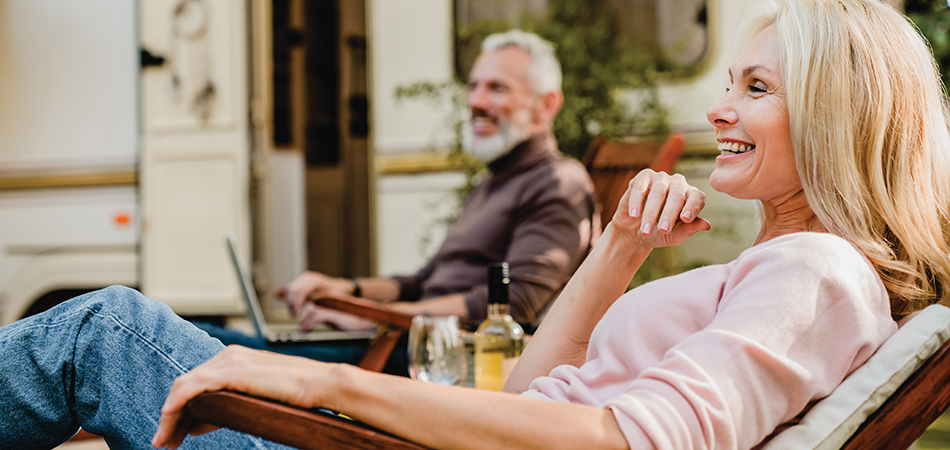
column 283, row 378
column 660, row 210
column 314, row 284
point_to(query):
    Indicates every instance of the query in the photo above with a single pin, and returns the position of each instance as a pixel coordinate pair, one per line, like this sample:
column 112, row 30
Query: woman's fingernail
column 687, row 215
column 665, row 226
column 646, row 228
column 634, row 212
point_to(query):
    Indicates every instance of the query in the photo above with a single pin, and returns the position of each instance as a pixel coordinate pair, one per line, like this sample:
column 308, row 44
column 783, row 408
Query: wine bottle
column 499, row 339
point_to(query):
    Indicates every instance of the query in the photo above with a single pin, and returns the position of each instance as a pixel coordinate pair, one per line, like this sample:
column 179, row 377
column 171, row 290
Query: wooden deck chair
column 612, row 165
column 889, row 416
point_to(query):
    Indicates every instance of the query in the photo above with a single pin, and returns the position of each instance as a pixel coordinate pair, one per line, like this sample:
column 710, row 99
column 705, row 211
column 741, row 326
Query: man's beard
column 489, row 149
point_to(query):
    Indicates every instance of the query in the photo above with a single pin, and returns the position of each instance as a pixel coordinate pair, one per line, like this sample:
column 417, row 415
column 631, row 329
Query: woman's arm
column 432, row 415
column 663, row 199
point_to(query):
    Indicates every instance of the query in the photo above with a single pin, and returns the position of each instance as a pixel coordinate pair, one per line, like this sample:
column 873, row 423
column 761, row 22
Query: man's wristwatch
column 357, row 291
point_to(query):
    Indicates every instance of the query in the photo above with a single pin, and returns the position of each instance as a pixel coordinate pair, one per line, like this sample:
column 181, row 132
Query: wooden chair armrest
column 366, row 309
column 288, row 425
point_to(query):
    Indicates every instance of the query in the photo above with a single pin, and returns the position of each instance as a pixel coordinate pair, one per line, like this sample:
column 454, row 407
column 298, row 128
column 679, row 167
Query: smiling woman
column 834, row 120
column 752, row 127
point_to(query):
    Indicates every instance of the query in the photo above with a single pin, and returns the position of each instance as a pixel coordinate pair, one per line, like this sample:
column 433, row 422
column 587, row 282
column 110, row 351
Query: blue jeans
column 104, row 361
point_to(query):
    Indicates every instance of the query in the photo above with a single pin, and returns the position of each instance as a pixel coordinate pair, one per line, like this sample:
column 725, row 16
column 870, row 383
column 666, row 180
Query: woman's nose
column 722, row 113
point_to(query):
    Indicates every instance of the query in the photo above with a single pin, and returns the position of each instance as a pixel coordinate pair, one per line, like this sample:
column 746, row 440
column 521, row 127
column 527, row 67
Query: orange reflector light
column 121, row 219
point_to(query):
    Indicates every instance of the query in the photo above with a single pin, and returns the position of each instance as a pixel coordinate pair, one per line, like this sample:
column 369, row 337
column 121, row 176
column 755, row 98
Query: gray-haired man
column 534, row 210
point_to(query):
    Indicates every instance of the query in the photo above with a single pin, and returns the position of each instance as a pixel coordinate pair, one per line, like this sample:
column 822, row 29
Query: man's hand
column 287, row 379
column 314, row 284
column 660, row 210
column 311, row 315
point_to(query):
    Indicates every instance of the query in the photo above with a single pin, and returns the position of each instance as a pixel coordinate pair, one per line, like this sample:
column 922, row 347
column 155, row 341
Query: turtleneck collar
column 536, row 148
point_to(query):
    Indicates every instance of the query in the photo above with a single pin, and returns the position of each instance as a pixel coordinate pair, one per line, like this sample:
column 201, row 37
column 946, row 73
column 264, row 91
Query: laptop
column 257, row 315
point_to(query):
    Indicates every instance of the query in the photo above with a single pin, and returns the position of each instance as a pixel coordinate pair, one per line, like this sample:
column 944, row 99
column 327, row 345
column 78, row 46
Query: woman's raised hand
column 660, row 210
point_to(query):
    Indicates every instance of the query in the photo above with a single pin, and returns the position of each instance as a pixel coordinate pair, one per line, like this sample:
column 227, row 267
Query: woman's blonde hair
column 869, row 126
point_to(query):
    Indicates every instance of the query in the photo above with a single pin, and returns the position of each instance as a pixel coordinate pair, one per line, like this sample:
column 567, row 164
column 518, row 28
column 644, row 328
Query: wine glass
column 436, row 350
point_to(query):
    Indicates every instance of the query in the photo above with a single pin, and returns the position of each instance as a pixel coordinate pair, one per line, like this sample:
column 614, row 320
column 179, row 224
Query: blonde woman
column 834, row 119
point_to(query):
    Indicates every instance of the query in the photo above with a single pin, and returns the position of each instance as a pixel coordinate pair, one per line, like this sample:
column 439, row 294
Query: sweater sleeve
column 410, row 286
column 551, row 235
column 794, row 320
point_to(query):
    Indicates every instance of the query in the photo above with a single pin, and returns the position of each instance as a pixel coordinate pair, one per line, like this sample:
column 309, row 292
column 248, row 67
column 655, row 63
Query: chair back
column 612, row 165
column 905, row 415
column 887, row 402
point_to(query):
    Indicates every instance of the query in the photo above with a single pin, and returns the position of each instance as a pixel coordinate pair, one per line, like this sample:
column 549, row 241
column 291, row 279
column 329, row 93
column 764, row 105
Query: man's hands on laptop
column 314, row 284
column 310, row 315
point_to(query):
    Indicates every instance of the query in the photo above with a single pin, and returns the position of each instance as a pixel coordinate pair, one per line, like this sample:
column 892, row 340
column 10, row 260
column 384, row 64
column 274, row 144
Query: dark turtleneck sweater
column 533, row 210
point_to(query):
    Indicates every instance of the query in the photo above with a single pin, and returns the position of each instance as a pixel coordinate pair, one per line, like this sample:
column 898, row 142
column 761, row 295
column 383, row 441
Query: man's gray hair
column 545, row 71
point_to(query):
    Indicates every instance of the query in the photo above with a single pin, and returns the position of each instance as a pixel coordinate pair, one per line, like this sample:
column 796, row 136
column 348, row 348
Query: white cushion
column 833, row 420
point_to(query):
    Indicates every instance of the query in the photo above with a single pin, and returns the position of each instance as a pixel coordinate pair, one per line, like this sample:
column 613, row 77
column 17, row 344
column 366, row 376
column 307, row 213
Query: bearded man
column 535, row 210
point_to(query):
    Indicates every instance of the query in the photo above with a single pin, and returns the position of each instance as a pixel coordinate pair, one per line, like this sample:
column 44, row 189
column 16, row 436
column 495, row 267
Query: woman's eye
column 758, row 88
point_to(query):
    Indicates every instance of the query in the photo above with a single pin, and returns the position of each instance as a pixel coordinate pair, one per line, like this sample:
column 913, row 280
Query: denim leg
column 104, row 361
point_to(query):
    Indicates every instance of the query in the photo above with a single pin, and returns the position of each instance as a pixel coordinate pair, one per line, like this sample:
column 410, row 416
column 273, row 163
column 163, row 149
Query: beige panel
column 207, row 52
column 191, row 201
column 194, row 168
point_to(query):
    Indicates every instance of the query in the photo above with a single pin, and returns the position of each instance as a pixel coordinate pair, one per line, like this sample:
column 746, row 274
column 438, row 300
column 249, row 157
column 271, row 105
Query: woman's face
column 756, row 159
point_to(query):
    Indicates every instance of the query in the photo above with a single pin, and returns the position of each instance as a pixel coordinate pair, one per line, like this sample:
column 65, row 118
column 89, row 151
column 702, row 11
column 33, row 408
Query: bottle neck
column 498, row 310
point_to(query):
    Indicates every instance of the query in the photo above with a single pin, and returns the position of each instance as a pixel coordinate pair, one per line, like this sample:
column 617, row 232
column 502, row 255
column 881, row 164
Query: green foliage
column 598, row 64
column 932, row 17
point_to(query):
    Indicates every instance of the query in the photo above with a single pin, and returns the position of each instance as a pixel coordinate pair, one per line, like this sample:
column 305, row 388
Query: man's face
column 501, row 103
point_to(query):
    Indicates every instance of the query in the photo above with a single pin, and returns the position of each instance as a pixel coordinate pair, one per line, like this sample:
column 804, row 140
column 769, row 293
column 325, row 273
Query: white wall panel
column 194, row 163
column 407, row 219
column 68, row 74
column 409, row 41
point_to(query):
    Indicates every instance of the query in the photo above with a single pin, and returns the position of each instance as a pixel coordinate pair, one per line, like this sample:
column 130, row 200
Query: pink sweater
column 718, row 357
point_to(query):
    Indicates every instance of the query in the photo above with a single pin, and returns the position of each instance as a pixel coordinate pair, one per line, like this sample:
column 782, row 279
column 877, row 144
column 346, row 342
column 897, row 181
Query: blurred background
column 135, row 135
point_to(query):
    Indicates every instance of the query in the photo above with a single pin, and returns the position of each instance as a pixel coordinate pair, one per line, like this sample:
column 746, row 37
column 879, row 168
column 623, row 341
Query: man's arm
column 446, row 305
column 315, row 284
column 453, row 304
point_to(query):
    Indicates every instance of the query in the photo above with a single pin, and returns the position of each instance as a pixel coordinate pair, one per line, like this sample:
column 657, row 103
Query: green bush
column 932, row 17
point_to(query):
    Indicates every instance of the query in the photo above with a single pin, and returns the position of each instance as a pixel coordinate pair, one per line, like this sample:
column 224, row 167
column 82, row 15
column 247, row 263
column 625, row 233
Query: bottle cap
column 498, row 280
